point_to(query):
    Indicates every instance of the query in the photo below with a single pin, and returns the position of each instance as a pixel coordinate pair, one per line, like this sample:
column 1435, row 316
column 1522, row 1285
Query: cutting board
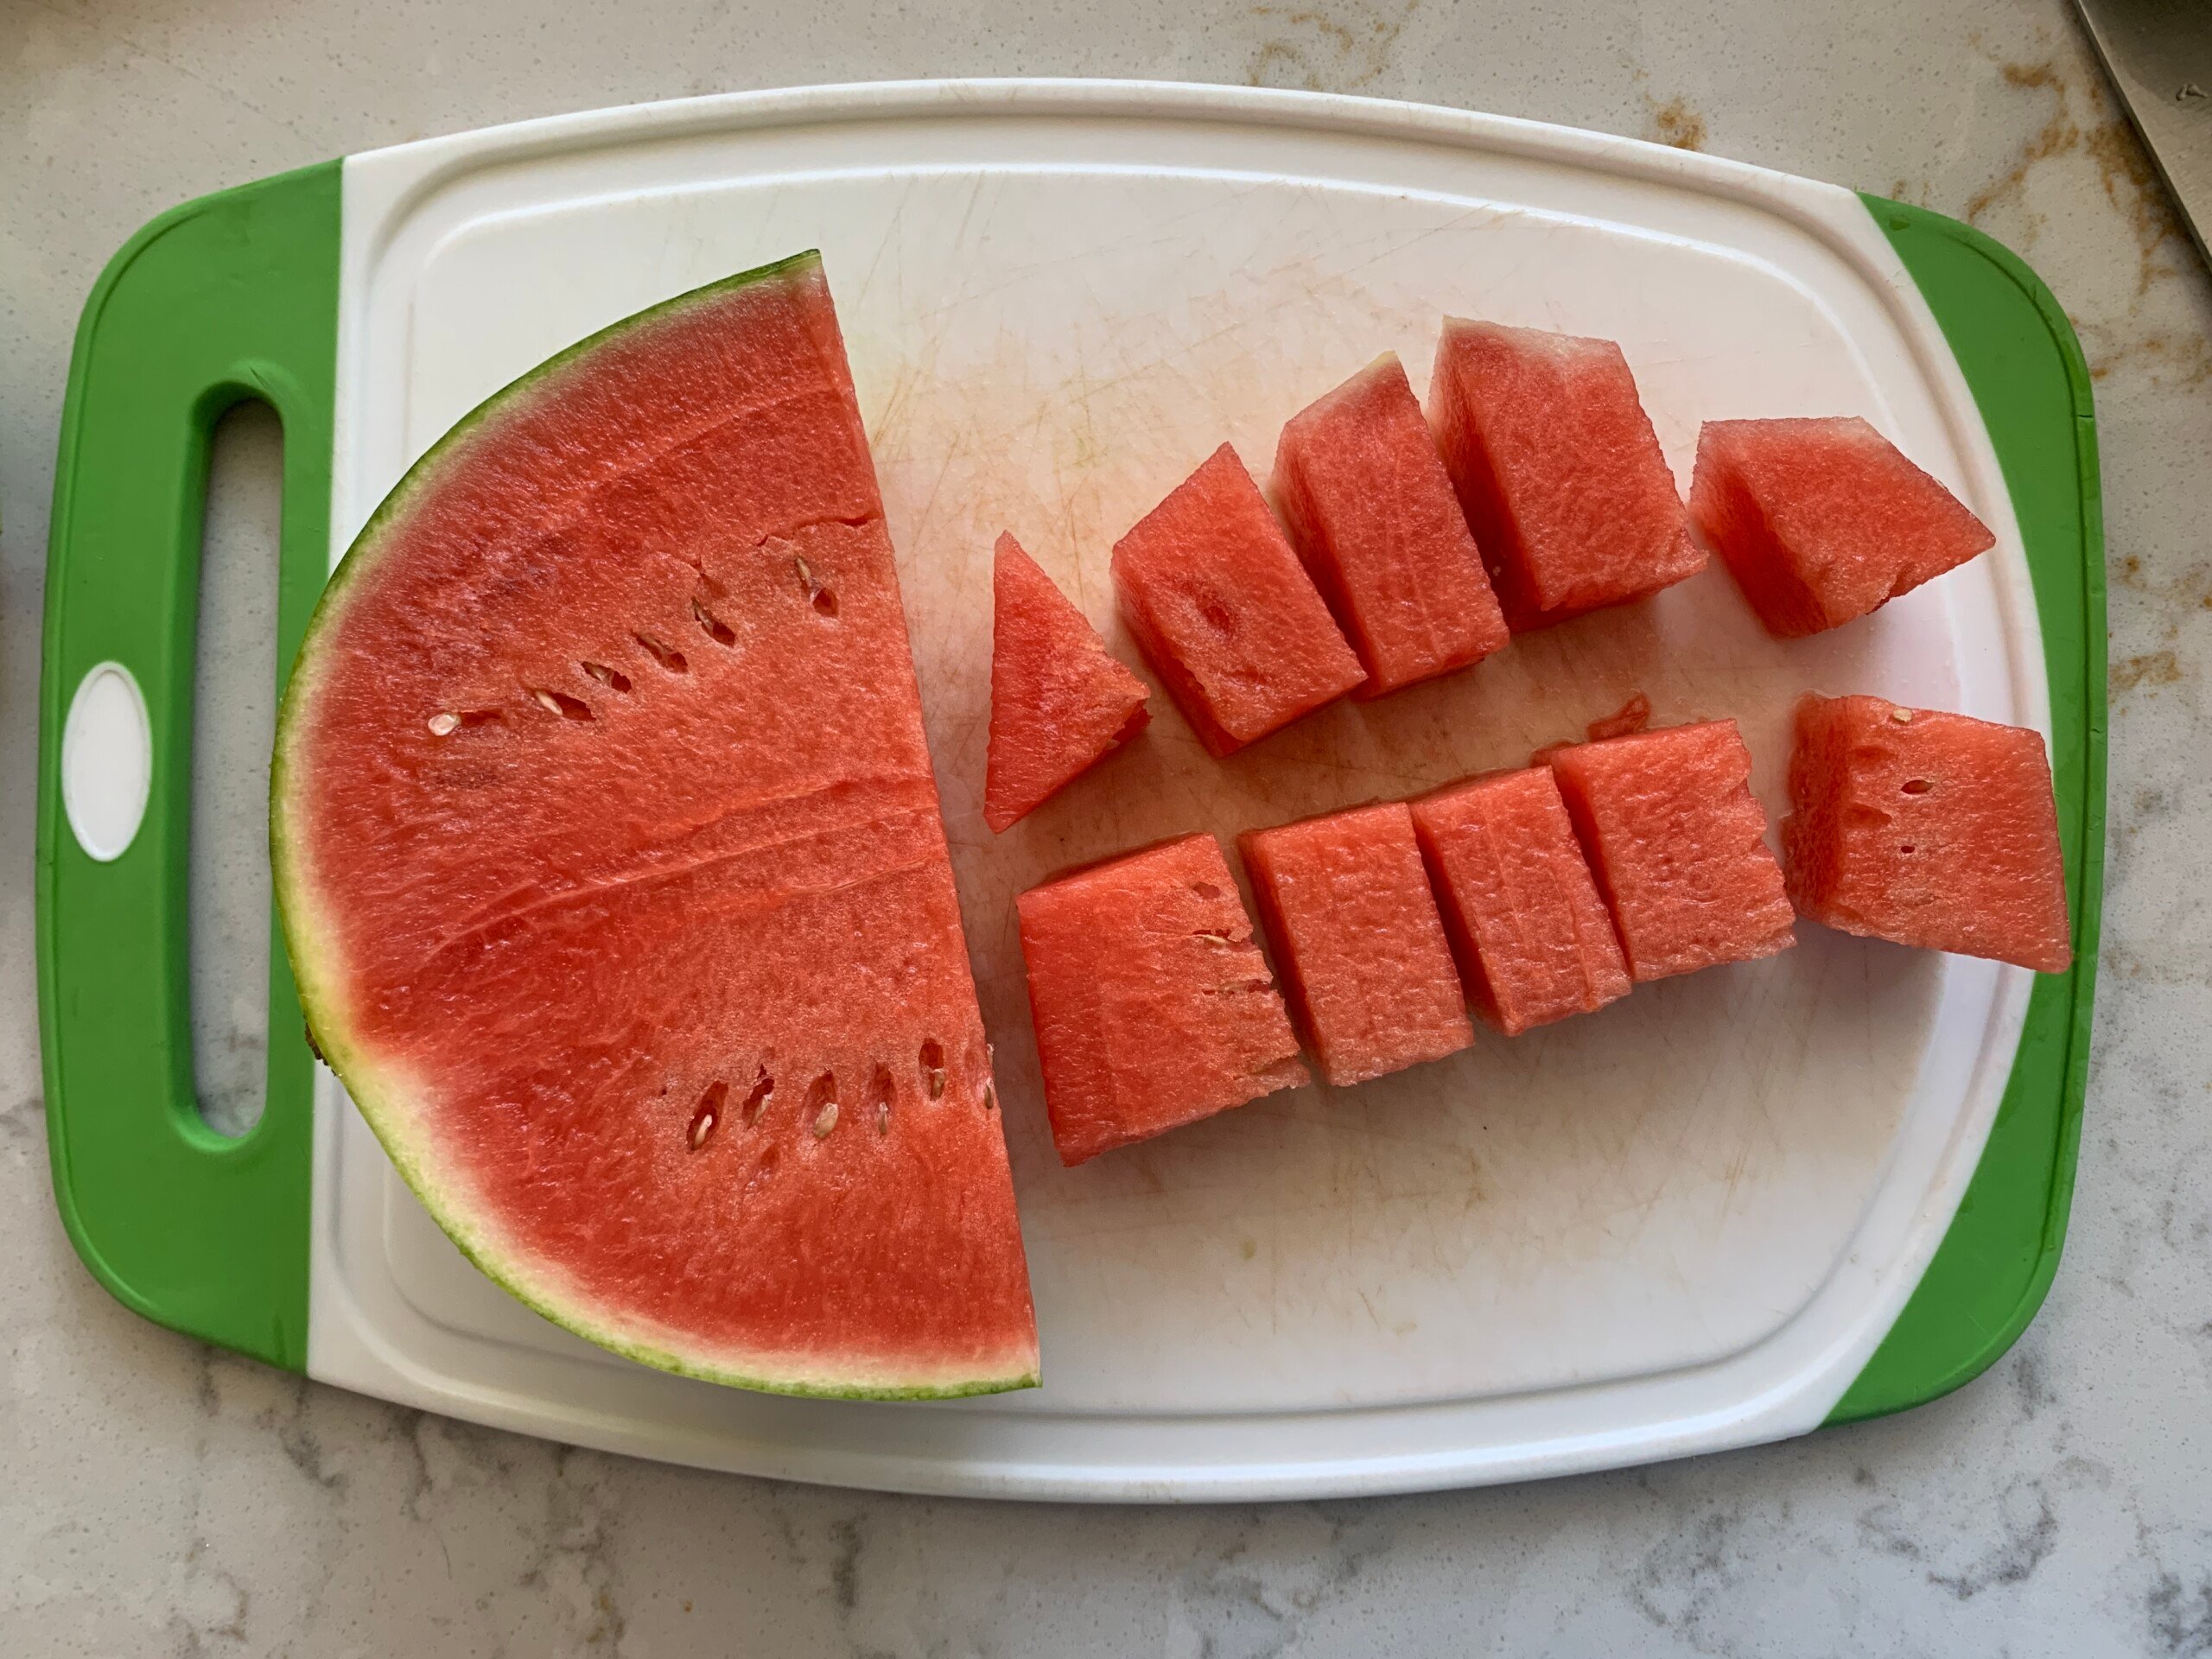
column 1732, row 1207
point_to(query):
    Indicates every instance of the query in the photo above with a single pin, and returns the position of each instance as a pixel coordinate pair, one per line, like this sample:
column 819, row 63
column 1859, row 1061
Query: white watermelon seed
column 757, row 1102
column 825, row 1120
column 444, row 725
column 1903, row 716
column 670, row 659
column 883, row 1118
column 717, row 630
column 708, row 1114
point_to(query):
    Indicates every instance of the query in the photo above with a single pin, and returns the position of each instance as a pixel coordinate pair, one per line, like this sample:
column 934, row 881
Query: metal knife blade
column 2158, row 54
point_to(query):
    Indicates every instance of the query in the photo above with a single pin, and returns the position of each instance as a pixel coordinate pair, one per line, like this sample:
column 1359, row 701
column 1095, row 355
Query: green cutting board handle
column 230, row 297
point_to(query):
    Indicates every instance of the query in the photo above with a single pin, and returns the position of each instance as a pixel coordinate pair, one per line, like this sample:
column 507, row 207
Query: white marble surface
column 159, row 1498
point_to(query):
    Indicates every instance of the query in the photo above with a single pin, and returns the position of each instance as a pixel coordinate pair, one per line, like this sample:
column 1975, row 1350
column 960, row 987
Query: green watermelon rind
column 372, row 1089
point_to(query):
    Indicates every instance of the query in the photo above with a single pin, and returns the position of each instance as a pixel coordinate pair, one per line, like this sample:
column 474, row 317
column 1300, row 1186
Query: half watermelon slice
column 611, row 868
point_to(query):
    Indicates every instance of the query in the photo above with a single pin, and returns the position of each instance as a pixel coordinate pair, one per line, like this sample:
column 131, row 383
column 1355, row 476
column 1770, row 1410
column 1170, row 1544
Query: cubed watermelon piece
column 1533, row 938
column 1928, row 829
column 1059, row 704
column 1372, row 514
column 1355, row 933
column 1678, row 844
column 1153, row 1005
column 1557, row 469
column 1820, row 521
column 1225, row 613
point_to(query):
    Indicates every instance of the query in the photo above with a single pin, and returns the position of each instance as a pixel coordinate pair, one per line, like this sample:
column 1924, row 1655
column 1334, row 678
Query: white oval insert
column 107, row 761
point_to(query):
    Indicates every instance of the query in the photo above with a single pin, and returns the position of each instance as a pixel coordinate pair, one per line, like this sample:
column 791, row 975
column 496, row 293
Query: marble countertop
column 160, row 1498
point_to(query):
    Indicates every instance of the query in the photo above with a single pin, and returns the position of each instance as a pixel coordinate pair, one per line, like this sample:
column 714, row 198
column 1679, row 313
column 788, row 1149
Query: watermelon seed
column 717, row 630
column 818, row 595
column 560, row 703
column 757, row 1102
column 671, row 660
column 933, row 1068
column 1908, row 848
column 613, row 678
column 990, row 1097
column 1903, row 716
column 883, row 1118
column 821, row 1101
column 444, row 725
column 1917, row 785
column 709, row 1113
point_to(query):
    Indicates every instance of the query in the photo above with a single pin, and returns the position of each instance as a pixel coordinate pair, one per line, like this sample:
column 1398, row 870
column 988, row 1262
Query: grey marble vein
column 161, row 1499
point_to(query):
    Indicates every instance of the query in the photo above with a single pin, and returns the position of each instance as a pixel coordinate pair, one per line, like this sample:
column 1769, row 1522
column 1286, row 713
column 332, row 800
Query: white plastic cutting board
column 1681, row 1223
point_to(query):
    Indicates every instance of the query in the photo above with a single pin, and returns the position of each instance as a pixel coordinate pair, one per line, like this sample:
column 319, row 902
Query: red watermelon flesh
column 1820, row 521
column 1225, row 613
column 1372, row 514
column 1533, row 942
column 1678, row 844
column 1558, row 470
column 1059, row 704
column 1928, row 829
column 1153, row 1006
column 1364, row 962
column 611, row 869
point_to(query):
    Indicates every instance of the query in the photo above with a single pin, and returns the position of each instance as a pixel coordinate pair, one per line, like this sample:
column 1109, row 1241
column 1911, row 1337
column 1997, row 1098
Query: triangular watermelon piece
column 610, row 863
column 1059, row 704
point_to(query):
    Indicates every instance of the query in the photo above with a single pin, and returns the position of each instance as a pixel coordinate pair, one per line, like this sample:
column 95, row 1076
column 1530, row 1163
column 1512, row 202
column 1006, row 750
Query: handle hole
column 233, row 726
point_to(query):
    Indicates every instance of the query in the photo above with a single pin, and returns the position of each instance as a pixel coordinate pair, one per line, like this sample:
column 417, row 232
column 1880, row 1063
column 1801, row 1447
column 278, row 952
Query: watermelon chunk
column 611, row 869
column 1558, row 470
column 1153, row 1006
column 1372, row 514
column 1678, row 844
column 1820, row 521
column 1928, row 829
column 1225, row 613
column 1059, row 704
column 1533, row 942
column 1348, row 910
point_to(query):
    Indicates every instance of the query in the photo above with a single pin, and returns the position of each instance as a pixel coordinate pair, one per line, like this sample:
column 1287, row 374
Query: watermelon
column 1928, row 829
column 1533, row 939
column 1372, row 514
column 1153, row 1006
column 1355, row 930
column 1225, row 613
column 1558, row 470
column 1678, row 844
column 1059, row 704
column 1822, row 521
column 613, row 876
column 1631, row 717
